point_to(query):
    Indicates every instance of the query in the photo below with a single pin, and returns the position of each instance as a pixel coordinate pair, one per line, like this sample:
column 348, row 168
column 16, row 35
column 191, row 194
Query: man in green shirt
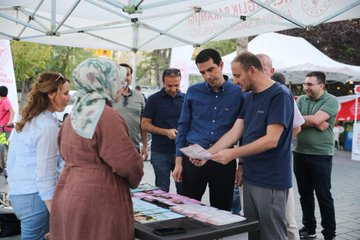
column 313, row 154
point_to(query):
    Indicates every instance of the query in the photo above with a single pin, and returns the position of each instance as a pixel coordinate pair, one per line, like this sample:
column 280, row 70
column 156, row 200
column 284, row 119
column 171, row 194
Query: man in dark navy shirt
column 160, row 118
column 265, row 125
column 209, row 111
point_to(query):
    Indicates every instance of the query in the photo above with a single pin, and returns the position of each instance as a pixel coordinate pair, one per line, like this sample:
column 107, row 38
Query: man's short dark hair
column 127, row 66
column 320, row 76
column 207, row 54
column 172, row 72
column 279, row 77
column 248, row 59
column 3, row 91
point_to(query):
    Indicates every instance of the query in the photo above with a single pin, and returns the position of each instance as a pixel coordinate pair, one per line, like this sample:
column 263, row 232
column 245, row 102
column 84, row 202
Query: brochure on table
column 146, row 209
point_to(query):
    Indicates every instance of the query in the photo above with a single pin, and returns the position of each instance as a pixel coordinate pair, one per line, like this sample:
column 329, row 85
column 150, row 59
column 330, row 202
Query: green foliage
column 338, row 40
column 193, row 79
column 143, row 72
column 65, row 59
column 31, row 59
column 151, row 67
column 224, row 47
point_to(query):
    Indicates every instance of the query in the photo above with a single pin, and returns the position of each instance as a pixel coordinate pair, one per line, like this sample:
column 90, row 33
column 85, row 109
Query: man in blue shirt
column 209, row 111
column 160, row 118
column 265, row 125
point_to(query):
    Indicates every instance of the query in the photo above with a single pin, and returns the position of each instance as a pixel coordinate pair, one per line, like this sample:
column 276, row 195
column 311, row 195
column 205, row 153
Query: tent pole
column 134, row 51
column 134, row 82
column 53, row 15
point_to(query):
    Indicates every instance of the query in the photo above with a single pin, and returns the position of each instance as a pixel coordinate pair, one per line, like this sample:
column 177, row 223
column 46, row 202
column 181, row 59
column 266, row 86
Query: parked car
column 60, row 116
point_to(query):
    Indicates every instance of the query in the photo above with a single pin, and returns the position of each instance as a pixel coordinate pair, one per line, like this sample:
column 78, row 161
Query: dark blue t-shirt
column 272, row 168
column 164, row 111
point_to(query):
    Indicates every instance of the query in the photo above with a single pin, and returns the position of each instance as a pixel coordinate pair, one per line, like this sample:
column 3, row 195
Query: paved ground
column 346, row 194
column 345, row 190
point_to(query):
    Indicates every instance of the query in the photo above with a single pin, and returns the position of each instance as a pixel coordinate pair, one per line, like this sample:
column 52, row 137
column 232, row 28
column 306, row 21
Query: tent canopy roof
column 134, row 25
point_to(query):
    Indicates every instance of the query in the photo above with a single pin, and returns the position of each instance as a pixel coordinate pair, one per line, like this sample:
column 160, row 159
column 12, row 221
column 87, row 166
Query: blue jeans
column 313, row 172
column 163, row 164
column 33, row 214
column 236, row 203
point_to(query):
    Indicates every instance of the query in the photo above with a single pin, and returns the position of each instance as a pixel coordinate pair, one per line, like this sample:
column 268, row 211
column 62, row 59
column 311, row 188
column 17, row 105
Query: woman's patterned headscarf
column 98, row 80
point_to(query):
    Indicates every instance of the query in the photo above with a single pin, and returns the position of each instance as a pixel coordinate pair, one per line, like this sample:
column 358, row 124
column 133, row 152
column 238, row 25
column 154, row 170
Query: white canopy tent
column 295, row 57
column 139, row 25
column 135, row 25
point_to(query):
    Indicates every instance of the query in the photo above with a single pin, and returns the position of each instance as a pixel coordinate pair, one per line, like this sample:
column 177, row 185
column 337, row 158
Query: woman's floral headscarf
column 98, row 80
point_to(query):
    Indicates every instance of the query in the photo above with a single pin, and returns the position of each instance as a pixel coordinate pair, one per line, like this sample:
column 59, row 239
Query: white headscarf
column 97, row 80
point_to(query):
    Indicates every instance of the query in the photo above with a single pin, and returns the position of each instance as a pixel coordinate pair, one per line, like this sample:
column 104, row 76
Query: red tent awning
column 347, row 108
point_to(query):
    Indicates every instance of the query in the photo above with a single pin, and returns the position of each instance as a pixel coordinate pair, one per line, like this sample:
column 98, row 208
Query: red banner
column 347, row 111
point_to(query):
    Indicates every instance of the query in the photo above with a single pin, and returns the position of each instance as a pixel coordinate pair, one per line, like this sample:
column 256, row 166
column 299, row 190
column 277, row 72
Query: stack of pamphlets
column 143, row 187
column 207, row 214
column 160, row 196
column 145, row 212
column 146, row 199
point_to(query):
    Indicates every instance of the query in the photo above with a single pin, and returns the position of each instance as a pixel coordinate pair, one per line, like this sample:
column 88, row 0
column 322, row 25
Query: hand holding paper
column 196, row 151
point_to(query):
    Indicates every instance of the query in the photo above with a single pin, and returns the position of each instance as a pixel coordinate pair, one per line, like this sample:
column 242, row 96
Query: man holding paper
column 209, row 111
column 265, row 125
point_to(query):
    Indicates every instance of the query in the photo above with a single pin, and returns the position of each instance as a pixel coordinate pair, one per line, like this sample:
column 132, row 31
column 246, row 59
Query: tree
column 65, row 59
column 31, row 59
column 151, row 66
column 338, row 40
column 224, row 47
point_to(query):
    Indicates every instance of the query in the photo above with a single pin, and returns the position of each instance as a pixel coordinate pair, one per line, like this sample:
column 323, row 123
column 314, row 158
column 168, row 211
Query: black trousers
column 220, row 178
column 313, row 173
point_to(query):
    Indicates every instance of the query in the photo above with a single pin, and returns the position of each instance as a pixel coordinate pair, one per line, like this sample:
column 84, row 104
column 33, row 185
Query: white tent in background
column 295, row 57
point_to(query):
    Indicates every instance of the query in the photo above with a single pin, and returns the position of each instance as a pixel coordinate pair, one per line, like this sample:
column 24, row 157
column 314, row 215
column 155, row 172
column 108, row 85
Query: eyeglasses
column 310, row 84
column 59, row 76
column 171, row 71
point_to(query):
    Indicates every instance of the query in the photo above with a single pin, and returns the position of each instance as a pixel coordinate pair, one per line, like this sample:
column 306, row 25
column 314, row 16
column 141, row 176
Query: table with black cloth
column 195, row 229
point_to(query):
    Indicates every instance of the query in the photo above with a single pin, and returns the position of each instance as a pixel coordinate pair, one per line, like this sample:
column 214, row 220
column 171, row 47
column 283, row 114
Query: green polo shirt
column 311, row 140
column 131, row 108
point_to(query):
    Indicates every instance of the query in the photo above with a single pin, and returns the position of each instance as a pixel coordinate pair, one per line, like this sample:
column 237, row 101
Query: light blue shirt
column 34, row 162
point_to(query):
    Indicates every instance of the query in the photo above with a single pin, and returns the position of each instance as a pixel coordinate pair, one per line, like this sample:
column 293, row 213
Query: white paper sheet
column 196, row 151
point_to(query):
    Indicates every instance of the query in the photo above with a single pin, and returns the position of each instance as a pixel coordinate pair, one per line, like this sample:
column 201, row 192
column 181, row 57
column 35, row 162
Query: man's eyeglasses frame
column 310, row 84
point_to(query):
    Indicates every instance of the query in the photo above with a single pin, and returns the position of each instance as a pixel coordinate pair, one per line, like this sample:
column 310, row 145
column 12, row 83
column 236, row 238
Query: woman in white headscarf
column 92, row 198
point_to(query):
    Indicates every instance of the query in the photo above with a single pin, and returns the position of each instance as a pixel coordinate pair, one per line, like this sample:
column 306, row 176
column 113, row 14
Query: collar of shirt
column 321, row 97
column 3, row 98
column 222, row 87
column 130, row 93
column 164, row 93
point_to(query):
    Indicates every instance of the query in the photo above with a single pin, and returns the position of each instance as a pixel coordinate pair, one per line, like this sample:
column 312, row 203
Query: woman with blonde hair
column 33, row 160
column 92, row 199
